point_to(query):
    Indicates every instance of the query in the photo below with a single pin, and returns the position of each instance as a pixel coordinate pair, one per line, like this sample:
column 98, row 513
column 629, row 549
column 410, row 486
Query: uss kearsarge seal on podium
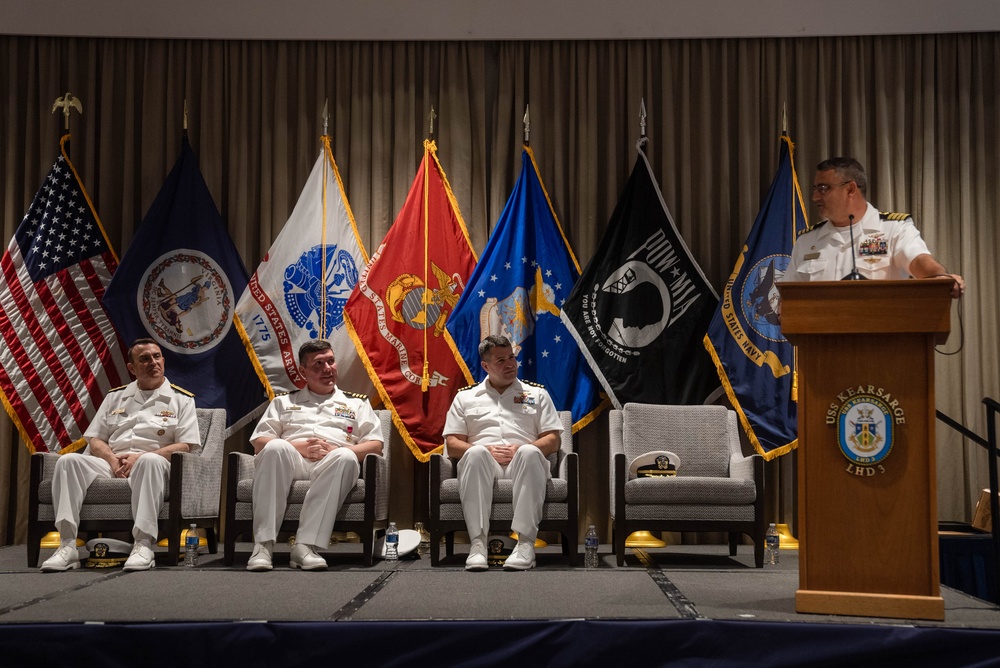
column 865, row 419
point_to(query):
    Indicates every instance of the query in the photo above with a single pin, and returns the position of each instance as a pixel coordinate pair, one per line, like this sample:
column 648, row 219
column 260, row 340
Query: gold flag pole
column 66, row 103
column 643, row 538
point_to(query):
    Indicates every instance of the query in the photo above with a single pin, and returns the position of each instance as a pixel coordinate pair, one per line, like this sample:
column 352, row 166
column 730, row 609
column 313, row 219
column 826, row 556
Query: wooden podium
column 867, row 470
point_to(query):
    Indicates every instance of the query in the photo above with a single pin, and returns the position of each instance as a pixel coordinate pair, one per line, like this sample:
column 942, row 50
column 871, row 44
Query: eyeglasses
column 824, row 188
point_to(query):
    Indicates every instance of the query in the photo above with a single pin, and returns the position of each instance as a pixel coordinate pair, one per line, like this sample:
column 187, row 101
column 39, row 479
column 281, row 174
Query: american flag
column 60, row 353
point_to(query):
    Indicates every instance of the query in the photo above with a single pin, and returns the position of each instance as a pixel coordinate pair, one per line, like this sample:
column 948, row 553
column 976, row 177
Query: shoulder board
column 283, row 394
column 889, row 215
column 533, row 384
column 117, row 389
column 468, row 387
column 180, row 389
column 814, row 227
column 356, row 395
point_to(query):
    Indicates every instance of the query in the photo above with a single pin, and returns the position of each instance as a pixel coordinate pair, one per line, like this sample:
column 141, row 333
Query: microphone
column 854, row 275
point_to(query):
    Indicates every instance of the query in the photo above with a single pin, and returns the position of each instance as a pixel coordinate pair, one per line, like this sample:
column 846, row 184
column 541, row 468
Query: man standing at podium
column 885, row 245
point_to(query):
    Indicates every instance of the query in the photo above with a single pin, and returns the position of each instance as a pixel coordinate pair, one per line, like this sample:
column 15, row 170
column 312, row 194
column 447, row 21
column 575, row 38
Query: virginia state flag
column 397, row 313
column 300, row 289
column 754, row 361
column 642, row 305
column 523, row 277
column 178, row 284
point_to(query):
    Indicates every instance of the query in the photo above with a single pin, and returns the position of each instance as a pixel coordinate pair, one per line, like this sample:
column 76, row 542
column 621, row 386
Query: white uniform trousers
column 74, row 472
column 277, row 466
column 477, row 471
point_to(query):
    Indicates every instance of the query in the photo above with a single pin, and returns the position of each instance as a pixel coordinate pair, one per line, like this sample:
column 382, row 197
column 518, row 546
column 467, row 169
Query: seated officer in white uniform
column 135, row 431
column 318, row 433
column 886, row 245
column 502, row 428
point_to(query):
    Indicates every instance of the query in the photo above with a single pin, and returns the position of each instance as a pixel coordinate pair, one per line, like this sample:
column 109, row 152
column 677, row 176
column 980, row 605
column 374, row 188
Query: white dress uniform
column 341, row 418
column 481, row 416
column 884, row 245
column 129, row 420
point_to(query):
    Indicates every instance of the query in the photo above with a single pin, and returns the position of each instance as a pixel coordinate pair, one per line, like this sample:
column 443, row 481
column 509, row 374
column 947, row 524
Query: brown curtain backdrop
column 919, row 111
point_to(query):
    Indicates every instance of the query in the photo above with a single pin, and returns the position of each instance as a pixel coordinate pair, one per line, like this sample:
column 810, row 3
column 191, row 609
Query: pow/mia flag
column 642, row 305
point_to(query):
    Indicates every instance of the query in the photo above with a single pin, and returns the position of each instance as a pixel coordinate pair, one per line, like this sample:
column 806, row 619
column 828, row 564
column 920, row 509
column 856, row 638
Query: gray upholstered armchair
column 193, row 497
column 716, row 488
column 365, row 510
column 559, row 513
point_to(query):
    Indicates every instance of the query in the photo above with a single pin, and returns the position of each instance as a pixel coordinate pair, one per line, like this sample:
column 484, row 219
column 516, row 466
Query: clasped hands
column 503, row 454
column 314, row 448
column 125, row 462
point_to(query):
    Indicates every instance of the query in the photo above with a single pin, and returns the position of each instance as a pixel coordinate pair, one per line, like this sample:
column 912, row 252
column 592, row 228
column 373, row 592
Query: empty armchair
column 716, row 487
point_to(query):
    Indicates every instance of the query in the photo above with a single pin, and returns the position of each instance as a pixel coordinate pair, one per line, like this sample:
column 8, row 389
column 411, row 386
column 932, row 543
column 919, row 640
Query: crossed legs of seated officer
column 277, row 466
column 477, row 471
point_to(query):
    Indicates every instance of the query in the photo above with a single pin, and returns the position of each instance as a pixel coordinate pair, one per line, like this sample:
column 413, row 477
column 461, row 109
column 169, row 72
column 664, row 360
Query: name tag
column 811, row 256
column 118, row 411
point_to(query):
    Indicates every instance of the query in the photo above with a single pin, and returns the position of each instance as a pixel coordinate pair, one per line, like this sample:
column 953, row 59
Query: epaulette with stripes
column 117, row 389
column 468, row 387
column 533, row 384
column 182, row 390
column 283, row 394
column 356, row 395
column 815, row 227
column 889, row 215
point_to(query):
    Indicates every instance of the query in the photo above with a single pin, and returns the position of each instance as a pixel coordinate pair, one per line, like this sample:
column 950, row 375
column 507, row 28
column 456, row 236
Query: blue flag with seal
column 754, row 360
column 178, row 284
column 523, row 277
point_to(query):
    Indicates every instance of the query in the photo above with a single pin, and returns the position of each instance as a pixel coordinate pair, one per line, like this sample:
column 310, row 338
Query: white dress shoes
column 141, row 558
column 260, row 560
column 477, row 557
column 522, row 558
column 66, row 558
column 304, row 557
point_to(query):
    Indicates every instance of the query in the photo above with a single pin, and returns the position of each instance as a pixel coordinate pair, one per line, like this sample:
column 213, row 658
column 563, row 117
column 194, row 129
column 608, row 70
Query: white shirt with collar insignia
column 302, row 414
column 884, row 250
column 517, row 416
column 129, row 423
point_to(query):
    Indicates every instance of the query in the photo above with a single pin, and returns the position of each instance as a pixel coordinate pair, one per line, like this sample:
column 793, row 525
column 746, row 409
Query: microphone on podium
column 854, row 275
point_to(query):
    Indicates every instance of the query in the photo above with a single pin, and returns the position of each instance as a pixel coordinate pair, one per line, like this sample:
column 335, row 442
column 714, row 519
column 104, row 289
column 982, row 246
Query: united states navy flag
column 642, row 305
column 754, row 360
column 178, row 283
column 523, row 277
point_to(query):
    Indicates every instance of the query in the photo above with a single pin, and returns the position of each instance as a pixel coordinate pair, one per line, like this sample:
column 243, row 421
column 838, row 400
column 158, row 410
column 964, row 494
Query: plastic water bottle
column 772, row 540
column 191, row 547
column 392, row 543
column 591, row 543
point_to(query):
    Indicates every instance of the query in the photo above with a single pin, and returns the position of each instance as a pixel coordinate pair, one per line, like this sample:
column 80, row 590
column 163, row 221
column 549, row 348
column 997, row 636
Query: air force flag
column 523, row 277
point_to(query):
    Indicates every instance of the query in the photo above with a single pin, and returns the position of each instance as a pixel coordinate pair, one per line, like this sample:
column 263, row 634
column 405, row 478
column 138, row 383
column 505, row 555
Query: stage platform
column 692, row 605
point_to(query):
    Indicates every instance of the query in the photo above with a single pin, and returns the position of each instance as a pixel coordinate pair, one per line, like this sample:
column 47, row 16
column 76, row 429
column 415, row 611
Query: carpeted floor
column 679, row 582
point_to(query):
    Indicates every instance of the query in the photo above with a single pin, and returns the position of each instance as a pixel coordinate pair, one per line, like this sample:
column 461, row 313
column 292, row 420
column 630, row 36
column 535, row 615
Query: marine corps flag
column 397, row 313
column 524, row 275
column 300, row 289
column 753, row 359
column 642, row 305
column 59, row 354
column 178, row 284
